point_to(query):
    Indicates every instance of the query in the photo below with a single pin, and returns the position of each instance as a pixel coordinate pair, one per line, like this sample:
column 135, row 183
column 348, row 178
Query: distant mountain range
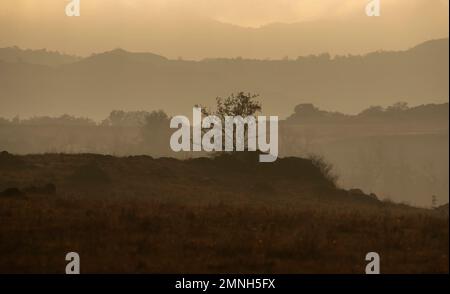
column 49, row 83
column 193, row 35
column 43, row 56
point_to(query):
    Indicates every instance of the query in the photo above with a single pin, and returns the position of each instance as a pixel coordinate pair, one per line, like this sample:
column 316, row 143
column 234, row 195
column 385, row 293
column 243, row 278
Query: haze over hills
column 397, row 152
column 42, row 56
column 361, row 146
column 200, row 29
column 118, row 79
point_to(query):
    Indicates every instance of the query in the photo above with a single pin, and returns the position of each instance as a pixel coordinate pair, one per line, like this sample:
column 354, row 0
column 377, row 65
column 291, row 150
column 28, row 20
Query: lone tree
column 240, row 104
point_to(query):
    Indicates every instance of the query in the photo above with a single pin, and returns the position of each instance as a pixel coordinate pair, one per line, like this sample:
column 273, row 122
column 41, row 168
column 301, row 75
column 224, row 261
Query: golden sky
column 240, row 12
column 106, row 23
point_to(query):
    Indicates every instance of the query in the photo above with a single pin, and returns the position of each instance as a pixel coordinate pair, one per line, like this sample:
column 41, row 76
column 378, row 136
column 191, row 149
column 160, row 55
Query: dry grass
column 137, row 224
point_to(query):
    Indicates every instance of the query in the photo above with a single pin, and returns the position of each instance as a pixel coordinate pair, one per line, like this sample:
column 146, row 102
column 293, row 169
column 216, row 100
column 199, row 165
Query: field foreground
column 144, row 215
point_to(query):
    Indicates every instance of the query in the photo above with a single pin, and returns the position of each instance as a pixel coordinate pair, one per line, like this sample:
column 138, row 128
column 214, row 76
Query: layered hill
column 123, row 80
column 42, row 56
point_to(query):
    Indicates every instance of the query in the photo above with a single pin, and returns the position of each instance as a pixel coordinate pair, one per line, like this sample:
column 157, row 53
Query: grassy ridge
column 140, row 214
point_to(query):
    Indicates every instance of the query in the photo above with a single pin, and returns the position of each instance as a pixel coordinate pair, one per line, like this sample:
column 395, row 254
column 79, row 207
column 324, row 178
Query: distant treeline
column 397, row 112
column 303, row 113
column 40, row 56
column 117, row 118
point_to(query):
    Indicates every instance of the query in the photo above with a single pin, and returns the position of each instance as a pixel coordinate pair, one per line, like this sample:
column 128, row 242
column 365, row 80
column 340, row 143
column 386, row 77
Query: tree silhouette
column 240, row 104
column 156, row 132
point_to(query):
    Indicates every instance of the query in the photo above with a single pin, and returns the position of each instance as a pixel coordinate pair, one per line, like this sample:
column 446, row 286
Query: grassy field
column 144, row 215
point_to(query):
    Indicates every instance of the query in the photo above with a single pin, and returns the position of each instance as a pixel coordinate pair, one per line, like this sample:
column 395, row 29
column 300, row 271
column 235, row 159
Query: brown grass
column 152, row 220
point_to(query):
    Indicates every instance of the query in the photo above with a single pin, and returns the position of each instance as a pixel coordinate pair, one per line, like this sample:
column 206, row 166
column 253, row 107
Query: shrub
column 325, row 168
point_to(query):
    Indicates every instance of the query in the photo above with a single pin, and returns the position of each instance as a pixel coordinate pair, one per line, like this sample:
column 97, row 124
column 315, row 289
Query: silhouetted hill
column 122, row 80
column 435, row 47
column 238, row 178
column 42, row 56
column 396, row 113
column 120, row 56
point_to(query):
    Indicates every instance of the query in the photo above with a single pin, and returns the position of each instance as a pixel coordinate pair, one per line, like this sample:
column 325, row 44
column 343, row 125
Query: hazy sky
column 149, row 25
column 251, row 13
